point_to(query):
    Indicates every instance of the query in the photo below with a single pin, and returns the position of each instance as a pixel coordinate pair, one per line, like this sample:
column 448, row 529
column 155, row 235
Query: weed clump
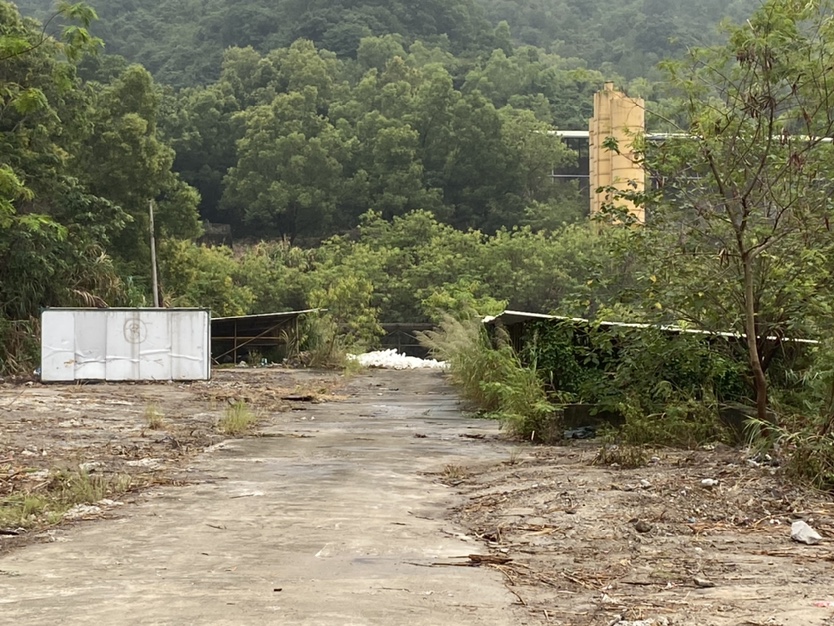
column 237, row 419
column 49, row 501
column 623, row 456
column 154, row 417
column 455, row 472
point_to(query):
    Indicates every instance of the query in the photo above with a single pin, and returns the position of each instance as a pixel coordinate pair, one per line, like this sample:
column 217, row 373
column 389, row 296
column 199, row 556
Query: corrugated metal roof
column 570, row 134
column 509, row 318
column 266, row 316
column 123, row 308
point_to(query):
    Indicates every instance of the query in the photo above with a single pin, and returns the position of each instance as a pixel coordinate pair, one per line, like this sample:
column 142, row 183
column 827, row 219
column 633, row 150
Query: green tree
column 203, row 129
column 52, row 229
column 387, row 161
column 376, row 52
column 278, row 274
column 739, row 234
column 288, row 177
column 347, row 300
column 126, row 160
column 193, row 276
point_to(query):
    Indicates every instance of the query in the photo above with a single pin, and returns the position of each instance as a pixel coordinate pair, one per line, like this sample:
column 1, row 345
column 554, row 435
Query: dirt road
column 334, row 517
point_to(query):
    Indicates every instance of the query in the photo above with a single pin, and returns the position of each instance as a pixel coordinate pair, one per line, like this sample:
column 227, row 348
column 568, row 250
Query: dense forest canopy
column 181, row 42
column 628, row 37
column 297, row 143
column 291, row 120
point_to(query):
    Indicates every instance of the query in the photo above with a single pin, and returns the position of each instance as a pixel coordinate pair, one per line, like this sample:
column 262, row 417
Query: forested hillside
column 300, row 143
column 628, row 37
column 292, row 119
column 295, row 144
column 181, row 42
column 295, row 122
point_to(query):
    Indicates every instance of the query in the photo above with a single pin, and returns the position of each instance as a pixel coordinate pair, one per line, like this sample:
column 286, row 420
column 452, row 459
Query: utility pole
column 153, row 259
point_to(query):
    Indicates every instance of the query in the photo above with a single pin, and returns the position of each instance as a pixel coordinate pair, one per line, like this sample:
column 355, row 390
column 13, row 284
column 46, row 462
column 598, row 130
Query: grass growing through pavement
column 154, row 417
column 47, row 502
column 623, row 456
column 352, row 367
column 237, row 419
column 455, row 472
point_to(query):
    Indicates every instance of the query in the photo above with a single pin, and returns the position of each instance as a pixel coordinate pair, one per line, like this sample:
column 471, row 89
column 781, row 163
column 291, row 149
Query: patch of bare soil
column 126, row 436
column 691, row 539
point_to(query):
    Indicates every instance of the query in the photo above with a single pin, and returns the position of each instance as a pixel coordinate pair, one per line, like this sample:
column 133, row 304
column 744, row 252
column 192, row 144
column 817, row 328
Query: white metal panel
column 125, row 344
column 155, row 347
column 90, row 345
column 125, row 334
column 57, row 346
column 191, row 336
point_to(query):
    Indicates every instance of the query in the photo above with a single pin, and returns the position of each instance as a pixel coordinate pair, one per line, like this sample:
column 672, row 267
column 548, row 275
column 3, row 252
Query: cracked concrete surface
column 332, row 525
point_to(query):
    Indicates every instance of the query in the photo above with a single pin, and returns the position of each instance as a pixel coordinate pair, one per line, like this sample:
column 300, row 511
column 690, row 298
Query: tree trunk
column 759, row 379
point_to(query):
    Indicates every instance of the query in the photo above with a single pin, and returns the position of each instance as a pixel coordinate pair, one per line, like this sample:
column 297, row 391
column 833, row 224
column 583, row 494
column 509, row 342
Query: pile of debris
column 391, row 359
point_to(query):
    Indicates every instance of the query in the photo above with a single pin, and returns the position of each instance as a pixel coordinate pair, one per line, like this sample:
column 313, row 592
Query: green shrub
column 203, row 277
column 806, row 432
column 683, row 423
column 666, row 387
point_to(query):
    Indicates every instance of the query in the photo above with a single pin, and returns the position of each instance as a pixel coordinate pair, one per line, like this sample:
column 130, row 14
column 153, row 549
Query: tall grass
column 326, row 345
column 805, row 432
column 491, row 377
column 237, row 419
column 19, row 348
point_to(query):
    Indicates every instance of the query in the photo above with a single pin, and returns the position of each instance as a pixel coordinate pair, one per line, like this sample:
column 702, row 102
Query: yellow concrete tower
column 618, row 116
